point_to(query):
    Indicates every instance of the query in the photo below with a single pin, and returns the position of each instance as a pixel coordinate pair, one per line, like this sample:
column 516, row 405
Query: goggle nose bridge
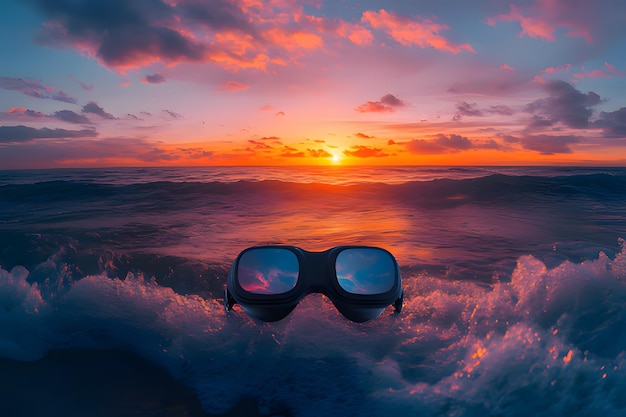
column 315, row 272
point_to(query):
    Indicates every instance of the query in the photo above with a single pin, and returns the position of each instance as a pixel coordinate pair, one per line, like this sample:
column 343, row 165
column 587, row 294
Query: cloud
column 233, row 34
column 564, row 104
column 319, row 153
column 259, row 145
column 71, row 117
column 21, row 113
column 135, row 34
column 290, row 152
column 387, row 103
column 94, row 152
column 361, row 151
column 35, row 89
column 173, row 115
column 613, row 123
column 15, row 134
column 153, row 79
column 472, row 110
column 443, row 144
column 86, row 87
column 194, row 153
column 232, row 86
column 417, row 31
column 274, row 139
column 608, row 71
column 356, row 33
column 557, row 69
column 363, row 136
column 543, row 18
column 467, row 109
column 93, row 108
column 546, row 144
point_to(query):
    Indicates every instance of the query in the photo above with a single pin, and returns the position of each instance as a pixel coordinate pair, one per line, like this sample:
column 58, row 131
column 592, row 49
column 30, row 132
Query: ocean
column 111, row 287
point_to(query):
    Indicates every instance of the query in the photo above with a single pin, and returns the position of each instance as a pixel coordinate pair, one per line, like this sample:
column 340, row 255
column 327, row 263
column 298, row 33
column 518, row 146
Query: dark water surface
column 514, row 282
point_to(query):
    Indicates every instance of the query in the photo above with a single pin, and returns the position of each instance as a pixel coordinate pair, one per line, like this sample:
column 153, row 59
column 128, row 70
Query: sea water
column 514, row 278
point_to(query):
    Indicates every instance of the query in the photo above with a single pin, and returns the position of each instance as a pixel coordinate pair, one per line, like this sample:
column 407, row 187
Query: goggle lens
column 365, row 271
column 268, row 271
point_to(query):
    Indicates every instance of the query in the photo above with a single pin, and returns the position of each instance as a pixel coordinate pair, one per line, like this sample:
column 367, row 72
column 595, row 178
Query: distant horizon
column 312, row 83
column 112, row 167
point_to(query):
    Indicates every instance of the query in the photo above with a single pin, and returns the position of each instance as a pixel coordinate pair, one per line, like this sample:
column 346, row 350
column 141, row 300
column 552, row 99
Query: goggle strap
column 398, row 304
column 229, row 301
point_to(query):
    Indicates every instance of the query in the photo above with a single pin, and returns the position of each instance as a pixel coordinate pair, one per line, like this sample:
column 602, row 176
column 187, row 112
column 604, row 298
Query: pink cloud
column 293, row 41
column 232, row 86
column 387, row 103
column 607, row 72
column 554, row 70
column 544, row 17
column 356, row 33
column 235, row 34
column 17, row 113
column 406, row 31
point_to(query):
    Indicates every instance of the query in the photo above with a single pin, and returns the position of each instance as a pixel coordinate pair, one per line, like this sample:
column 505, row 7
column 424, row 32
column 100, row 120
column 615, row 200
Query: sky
column 97, row 83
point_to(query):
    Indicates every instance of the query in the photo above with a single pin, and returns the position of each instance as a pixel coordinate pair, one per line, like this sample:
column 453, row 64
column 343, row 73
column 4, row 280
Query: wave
column 497, row 187
column 549, row 341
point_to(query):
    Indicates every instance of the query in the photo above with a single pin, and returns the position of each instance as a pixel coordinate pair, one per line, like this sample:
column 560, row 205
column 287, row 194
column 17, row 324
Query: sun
column 335, row 159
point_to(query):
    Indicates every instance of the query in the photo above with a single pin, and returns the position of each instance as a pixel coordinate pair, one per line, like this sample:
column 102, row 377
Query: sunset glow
column 314, row 82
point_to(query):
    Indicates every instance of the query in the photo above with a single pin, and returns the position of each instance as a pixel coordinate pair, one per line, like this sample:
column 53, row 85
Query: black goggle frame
column 317, row 274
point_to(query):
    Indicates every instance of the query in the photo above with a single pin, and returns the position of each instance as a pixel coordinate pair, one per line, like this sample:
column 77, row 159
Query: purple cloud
column 545, row 144
column 472, row 110
column 564, row 104
column 153, row 79
column 93, row 108
column 71, row 117
column 14, row 134
column 173, row 115
column 613, row 123
column 93, row 151
column 443, row 144
column 127, row 34
column 34, row 89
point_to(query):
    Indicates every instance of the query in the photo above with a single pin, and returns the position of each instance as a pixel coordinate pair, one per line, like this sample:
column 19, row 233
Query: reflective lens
column 365, row 270
column 268, row 270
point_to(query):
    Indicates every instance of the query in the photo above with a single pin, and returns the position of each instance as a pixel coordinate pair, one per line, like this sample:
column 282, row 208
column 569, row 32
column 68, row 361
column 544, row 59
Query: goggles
column 269, row 281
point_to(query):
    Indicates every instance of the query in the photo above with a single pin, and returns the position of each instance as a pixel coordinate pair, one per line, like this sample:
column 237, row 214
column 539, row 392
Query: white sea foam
column 550, row 341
